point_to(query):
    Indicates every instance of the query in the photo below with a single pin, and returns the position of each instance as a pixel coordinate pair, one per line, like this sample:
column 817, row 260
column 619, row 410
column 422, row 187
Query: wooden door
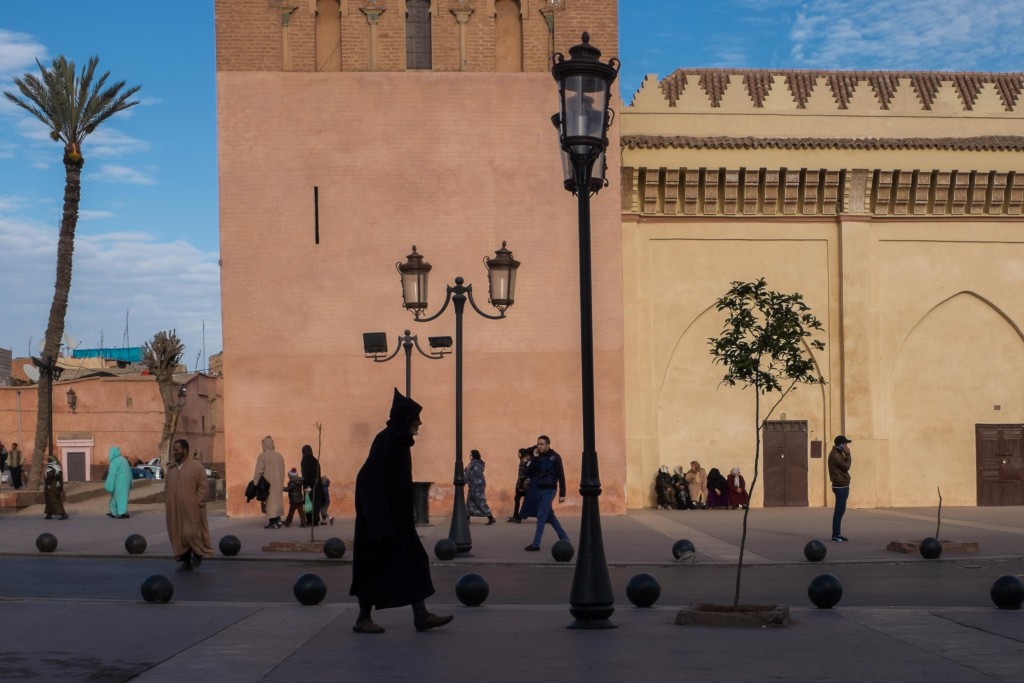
column 784, row 452
column 75, row 466
column 417, row 34
column 1000, row 459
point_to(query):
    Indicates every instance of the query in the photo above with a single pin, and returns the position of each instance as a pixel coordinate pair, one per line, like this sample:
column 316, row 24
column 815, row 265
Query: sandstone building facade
column 350, row 131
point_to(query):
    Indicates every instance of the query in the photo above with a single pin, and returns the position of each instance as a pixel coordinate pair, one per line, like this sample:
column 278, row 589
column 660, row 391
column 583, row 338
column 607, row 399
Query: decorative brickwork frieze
column 671, row 191
column 843, row 85
column 771, row 192
column 1015, row 194
column 751, row 187
column 714, row 84
column 922, row 192
column 968, row 86
column 1010, row 86
column 691, row 190
column 884, row 85
column 712, row 188
column 801, row 84
column 759, row 84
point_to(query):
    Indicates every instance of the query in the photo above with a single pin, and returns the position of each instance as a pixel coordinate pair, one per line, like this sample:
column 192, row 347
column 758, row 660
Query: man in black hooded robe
column 390, row 568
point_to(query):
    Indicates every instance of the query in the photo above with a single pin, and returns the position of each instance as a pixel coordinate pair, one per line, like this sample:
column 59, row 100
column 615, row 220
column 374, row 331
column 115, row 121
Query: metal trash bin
column 421, row 502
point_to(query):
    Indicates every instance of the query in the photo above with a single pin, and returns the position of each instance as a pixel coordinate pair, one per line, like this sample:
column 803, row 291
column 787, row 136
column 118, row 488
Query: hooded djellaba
column 390, row 568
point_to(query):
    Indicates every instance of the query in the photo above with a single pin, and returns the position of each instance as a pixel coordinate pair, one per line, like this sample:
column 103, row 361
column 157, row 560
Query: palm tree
column 161, row 357
column 72, row 107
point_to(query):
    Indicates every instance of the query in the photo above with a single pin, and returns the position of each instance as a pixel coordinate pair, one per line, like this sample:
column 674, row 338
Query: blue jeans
column 841, row 493
column 546, row 515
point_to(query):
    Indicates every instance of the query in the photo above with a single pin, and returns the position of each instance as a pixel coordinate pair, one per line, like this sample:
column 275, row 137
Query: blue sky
column 147, row 247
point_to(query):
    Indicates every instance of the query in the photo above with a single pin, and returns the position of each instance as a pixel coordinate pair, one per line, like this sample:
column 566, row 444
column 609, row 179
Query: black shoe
column 532, row 548
column 367, row 626
column 64, row 516
column 432, row 621
column 124, row 516
column 514, row 520
column 491, row 520
column 273, row 525
column 48, row 517
column 183, row 567
column 109, row 515
column 196, row 561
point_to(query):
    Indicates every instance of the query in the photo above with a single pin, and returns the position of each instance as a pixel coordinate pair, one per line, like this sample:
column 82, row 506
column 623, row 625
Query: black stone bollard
column 815, row 551
column 46, row 542
column 930, row 548
column 472, row 590
column 334, row 548
column 825, row 591
column 562, row 551
column 230, row 545
column 157, row 588
column 445, row 549
column 684, row 550
column 309, row 589
column 643, row 590
column 135, row 544
column 1007, row 592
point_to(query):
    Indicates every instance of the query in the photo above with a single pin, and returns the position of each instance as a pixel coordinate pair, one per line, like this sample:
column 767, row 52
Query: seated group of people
column 696, row 488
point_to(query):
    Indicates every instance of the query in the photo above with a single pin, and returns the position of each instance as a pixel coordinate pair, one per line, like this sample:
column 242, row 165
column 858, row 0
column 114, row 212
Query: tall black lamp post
column 375, row 346
column 501, row 276
column 583, row 118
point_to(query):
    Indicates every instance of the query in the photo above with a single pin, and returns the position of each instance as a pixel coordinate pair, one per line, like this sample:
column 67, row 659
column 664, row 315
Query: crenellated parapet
column 821, row 91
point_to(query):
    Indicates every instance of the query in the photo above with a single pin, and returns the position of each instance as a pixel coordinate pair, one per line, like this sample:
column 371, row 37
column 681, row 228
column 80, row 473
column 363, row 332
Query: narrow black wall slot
column 316, row 214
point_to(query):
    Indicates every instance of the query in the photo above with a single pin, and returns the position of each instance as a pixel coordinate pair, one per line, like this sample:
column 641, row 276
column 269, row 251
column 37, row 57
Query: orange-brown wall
column 116, row 411
column 453, row 163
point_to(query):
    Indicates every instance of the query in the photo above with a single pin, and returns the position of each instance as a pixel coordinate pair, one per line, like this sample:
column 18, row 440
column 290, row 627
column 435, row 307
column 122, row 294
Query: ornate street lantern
column 414, row 274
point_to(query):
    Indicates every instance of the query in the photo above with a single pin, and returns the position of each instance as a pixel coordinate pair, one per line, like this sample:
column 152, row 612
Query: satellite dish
column 31, row 371
column 69, row 342
column 42, row 344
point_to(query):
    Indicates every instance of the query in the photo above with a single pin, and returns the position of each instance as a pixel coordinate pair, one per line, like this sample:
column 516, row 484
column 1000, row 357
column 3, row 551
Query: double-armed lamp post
column 583, row 118
column 375, row 346
column 501, row 276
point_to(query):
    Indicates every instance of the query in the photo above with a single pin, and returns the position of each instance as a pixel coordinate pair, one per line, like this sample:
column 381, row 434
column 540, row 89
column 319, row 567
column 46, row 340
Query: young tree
column 72, row 107
column 765, row 344
column 161, row 357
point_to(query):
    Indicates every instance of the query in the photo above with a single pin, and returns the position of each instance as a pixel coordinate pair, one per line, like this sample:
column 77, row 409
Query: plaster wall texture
column 922, row 327
column 454, row 164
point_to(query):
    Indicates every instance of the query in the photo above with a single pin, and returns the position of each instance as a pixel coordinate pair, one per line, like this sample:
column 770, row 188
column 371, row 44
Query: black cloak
column 389, row 565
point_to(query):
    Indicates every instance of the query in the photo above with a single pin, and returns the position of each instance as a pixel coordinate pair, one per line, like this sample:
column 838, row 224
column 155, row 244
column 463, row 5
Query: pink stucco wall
column 453, row 163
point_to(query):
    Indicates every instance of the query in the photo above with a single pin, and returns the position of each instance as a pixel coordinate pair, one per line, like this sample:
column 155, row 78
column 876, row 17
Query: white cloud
column 110, row 142
column 909, row 34
column 161, row 285
column 121, row 174
column 85, row 215
column 18, row 52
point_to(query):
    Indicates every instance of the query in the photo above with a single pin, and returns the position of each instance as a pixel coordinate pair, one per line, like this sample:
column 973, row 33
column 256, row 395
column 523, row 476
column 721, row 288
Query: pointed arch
column 508, row 36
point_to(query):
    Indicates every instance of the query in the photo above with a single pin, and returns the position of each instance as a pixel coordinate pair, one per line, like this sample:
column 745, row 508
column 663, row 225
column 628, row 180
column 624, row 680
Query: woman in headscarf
column 737, row 489
column 718, row 489
column 682, row 490
column 312, row 483
column 476, row 501
column 664, row 489
column 53, row 491
column 118, row 484
column 697, row 483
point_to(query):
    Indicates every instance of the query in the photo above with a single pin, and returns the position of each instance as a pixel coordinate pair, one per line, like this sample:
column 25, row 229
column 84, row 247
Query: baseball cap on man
column 840, row 440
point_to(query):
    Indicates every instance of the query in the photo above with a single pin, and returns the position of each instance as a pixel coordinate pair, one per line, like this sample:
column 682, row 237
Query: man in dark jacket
column 390, row 568
column 839, row 461
column 546, row 473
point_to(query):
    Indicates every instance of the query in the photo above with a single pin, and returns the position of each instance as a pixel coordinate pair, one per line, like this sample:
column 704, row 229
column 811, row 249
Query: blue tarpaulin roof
column 132, row 354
